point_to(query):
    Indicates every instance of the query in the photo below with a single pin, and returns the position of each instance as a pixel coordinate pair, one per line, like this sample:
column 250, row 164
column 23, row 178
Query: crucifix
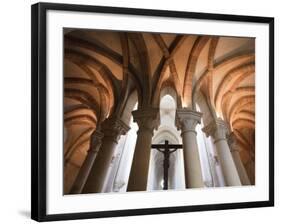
column 166, row 149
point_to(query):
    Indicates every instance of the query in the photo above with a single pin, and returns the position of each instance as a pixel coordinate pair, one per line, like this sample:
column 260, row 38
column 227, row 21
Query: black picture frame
column 39, row 122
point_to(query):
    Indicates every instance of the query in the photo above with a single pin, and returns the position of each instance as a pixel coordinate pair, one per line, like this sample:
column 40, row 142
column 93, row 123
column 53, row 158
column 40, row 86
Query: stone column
column 218, row 130
column 237, row 160
column 95, row 143
column 250, row 166
column 186, row 121
column 147, row 120
column 112, row 129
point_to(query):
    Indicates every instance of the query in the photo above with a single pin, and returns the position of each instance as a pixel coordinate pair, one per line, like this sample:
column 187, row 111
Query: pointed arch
column 198, row 46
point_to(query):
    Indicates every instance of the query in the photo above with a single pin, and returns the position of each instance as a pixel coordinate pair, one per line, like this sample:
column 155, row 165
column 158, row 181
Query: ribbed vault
column 103, row 68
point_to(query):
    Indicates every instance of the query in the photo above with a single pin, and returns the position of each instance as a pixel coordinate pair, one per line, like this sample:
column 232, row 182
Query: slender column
column 147, row 120
column 250, row 166
column 95, row 143
column 218, row 130
column 186, row 121
column 237, row 160
column 112, row 128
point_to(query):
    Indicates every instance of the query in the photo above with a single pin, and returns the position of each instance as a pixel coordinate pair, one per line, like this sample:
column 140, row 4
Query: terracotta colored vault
column 106, row 73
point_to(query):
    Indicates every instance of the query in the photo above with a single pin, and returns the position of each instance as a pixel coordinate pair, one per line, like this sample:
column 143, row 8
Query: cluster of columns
column 148, row 120
column 93, row 173
column 186, row 120
column 95, row 143
column 228, row 153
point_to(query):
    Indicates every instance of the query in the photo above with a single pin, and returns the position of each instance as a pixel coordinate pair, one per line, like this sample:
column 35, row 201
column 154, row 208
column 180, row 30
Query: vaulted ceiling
column 102, row 68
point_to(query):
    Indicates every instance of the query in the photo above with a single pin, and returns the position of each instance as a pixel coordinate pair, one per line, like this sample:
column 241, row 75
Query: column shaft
column 250, row 166
column 234, row 148
column 112, row 129
column 240, row 168
column 140, row 166
column 85, row 169
column 186, row 120
column 228, row 167
column 218, row 130
column 147, row 120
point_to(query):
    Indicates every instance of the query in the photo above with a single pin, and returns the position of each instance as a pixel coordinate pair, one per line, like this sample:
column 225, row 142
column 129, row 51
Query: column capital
column 187, row 119
column 232, row 142
column 95, row 141
column 147, row 118
column 218, row 129
column 114, row 127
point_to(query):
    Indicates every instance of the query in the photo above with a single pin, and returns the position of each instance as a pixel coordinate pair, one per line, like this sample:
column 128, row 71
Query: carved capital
column 95, row 141
column 114, row 127
column 187, row 119
column 218, row 129
column 147, row 118
column 232, row 142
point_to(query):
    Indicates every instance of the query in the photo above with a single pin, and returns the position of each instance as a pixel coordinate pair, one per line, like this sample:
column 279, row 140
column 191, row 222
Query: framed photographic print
column 138, row 111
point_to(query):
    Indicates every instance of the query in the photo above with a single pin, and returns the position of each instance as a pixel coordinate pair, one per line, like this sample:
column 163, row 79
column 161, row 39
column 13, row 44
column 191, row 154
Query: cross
column 166, row 149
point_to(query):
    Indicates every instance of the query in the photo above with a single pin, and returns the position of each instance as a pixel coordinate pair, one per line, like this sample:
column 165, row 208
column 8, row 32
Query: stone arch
column 167, row 90
column 130, row 104
column 204, row 108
